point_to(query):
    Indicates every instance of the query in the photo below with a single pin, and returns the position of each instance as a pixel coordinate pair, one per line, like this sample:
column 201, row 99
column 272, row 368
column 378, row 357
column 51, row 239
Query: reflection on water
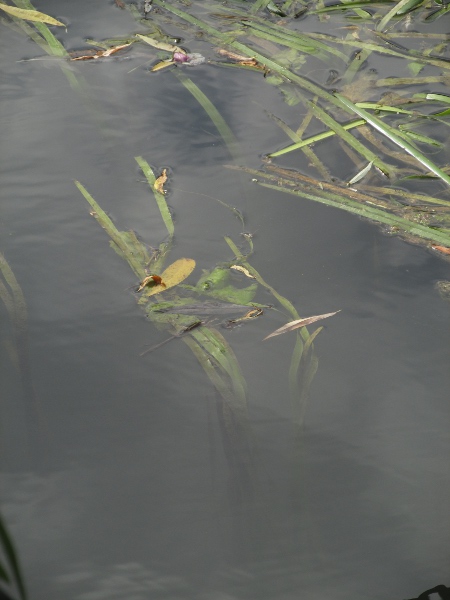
column 169, row 475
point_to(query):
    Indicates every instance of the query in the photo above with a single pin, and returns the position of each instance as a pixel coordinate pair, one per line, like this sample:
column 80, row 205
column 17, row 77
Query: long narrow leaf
column 159, row 197
column 394, row 137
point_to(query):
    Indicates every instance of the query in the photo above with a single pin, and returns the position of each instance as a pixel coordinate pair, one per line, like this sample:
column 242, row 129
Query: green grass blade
column 250, row 52
column 13, row 561
column 116, row 236
column 368, row 212
column 54, row 46
column 394, row 137
column 350, row 139
column 316, row 138
column 212, row 112
column 19, row 309
column 159, row 197
column 398, row 9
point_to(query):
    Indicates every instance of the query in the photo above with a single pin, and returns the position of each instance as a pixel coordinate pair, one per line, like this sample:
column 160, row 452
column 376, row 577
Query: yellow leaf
column 160, row 45
column 159, row 183
column 163, row 64
column 30, row 15
column 173, row 275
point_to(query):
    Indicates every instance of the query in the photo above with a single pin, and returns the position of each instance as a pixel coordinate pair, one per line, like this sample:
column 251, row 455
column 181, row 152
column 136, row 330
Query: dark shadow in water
column 442, row 590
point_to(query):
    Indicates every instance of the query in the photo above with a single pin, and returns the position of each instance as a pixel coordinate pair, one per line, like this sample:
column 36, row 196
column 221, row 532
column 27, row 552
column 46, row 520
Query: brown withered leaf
column 150, row 280
column 159, row 183
column 89, row 54
column 442, row 249
column 299, row 323
column 242, row 60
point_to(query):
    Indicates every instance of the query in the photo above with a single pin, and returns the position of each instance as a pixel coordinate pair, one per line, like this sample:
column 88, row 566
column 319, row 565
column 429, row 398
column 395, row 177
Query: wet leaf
column 151, row 281
column 159, row 183
column 162, row 65
column 100, row 53
column 160, row 45
column 174, row 274
column 361, row 174
column 299, row 323
column 442, row 249
column 242, row 269
column 242, row 60
column 30, row 15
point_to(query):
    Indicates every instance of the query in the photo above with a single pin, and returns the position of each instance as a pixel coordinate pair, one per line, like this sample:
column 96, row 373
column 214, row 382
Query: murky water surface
column 130, row 485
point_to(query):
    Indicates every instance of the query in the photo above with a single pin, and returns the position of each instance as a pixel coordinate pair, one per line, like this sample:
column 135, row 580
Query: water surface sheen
column 121, row 477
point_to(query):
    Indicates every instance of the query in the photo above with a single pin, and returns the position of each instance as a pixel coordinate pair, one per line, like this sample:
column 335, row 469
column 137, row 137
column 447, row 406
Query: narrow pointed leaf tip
column 299, row 323
column 30, row 15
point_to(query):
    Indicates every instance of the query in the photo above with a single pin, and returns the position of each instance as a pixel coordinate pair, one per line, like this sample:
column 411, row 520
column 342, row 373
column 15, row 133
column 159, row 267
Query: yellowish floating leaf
column 242, row 269
column 159, row 183
column 299, row 323
column 160, row 45
column 30, row 15
column 173, row 275
column 162, row 65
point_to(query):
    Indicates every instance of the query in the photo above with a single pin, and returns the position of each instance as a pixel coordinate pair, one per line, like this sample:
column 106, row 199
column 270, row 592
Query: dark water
column 127, row 487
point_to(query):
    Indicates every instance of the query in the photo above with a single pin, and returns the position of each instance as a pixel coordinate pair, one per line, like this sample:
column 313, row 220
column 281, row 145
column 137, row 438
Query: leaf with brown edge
column 89, row 55
column 299, row 323
column 159, row 183
column 173, row 275
column 30, row 15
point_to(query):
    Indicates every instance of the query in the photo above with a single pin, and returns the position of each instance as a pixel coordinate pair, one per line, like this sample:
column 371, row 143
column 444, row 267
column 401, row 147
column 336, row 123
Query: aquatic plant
column 185, row 317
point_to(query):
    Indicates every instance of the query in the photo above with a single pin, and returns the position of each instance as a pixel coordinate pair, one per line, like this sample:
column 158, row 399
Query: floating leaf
column 30, row 15
column 442, row 249
column 299, row 323
column 174, row 274
column 361, row 174
column 160, row 45
column 391, row 134
column 159, row 183
column 242, row 60
column 243, row 270
column 101, row 53
column 162, row 65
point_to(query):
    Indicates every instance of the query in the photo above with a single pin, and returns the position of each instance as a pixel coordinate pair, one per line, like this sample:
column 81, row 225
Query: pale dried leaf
column 299, row 323
column 100, row 53
column 242, row 269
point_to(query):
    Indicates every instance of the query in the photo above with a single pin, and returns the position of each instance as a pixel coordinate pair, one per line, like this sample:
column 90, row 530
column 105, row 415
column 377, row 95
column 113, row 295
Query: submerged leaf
column 174, row 274
column 30, row 15
column 299, row 323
